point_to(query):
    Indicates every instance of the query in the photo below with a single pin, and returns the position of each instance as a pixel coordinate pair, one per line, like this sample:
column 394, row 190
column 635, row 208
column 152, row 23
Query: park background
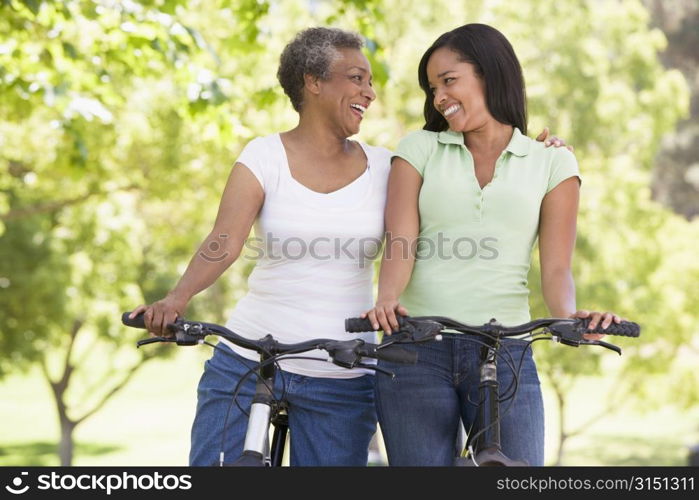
column 120, row 121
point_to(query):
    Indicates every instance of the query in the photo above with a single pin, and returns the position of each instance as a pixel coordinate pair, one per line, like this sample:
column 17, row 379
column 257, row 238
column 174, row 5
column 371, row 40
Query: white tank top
column 314, row 256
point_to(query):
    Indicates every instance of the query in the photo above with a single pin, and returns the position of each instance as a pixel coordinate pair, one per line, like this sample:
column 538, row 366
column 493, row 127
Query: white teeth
column 451, row 109
column 359, row 107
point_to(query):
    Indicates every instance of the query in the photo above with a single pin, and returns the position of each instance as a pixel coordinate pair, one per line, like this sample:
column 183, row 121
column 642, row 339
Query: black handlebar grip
column 136, row 322
column 396, row 354
column 625, row 328
column 356, row 325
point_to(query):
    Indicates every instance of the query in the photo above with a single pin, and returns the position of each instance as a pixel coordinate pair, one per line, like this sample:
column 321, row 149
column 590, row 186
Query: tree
column 608, row 67
column 75, row 253
column 120, row 122
column 676, row 175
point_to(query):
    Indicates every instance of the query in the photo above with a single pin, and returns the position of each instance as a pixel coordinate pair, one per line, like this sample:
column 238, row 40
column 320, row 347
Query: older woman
column 315, row 198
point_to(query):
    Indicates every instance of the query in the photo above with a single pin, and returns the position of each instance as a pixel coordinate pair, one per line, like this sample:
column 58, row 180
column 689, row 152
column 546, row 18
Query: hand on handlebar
column 383, row 315
column 159, row 314
column 605, row 318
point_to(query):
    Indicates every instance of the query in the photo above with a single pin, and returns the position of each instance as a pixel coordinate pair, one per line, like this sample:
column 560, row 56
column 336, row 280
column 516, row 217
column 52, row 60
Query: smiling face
column 347, row 93
column 459, row 93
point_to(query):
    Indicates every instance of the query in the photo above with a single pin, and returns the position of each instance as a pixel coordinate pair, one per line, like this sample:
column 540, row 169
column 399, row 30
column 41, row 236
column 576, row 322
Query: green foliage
column 605, row 90
column 120, row 121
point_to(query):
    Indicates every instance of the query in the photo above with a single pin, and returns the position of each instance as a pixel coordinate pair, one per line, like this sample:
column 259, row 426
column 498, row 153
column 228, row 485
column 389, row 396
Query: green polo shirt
column 475, row 244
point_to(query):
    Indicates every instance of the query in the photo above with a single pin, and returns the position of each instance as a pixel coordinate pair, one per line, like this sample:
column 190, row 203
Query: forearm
column 205, row 267
column 402, row 228
column 558, row 288
column 396, row 267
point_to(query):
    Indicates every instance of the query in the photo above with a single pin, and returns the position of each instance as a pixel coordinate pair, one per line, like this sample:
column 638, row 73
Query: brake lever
column 601, row 343
column 376, row 368
column 153, row 340
column 181, row 338
column 399, row 337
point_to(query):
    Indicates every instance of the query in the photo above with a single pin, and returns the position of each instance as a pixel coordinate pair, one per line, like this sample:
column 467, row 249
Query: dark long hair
column 494, row 61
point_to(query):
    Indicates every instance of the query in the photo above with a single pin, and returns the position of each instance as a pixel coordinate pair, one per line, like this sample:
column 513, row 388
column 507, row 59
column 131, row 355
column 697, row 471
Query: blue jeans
column 331, row 421
column 420, row 409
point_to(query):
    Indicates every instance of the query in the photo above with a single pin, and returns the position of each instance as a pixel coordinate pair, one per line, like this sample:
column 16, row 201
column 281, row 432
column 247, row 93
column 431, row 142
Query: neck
column 493, row 137
column 314, row 132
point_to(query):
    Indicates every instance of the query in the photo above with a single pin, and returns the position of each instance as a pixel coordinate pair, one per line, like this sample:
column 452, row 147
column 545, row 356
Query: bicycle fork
column 489, row 411
column 483, row 445
column 256, row 450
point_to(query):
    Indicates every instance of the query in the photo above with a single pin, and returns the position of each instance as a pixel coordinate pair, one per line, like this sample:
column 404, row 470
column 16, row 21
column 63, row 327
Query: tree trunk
column 65, row 447
column 562, row 435
column 59, row 388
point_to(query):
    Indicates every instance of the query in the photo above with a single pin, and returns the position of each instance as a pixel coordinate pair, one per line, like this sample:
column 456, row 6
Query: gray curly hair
column 310, row 53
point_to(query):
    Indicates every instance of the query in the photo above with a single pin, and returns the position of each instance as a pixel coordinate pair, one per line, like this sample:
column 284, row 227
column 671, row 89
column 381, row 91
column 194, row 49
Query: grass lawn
column 148, row 423
column 661, row 437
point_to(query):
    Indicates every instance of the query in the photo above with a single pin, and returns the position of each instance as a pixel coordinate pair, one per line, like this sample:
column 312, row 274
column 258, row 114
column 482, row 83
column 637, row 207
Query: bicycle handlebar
column 345, row 353
column 625, row 328
column 568, row 331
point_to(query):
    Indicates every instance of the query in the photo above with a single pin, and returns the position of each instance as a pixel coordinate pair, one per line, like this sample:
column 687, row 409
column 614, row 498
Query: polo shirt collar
column 451, row 137
column 518, row 145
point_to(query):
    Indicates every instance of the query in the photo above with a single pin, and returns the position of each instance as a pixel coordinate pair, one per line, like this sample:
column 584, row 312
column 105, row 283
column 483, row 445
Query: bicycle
column 482, row 446
column 266, row 410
